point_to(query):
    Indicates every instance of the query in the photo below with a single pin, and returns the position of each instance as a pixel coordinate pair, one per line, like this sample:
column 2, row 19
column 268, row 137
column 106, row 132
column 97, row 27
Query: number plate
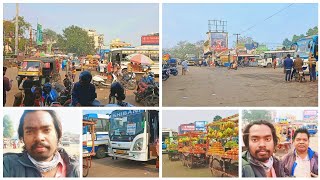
column 120, row 151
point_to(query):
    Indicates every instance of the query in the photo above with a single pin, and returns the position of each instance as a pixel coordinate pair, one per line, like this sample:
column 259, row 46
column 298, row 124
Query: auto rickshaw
column 50, row 70
column 30, row 68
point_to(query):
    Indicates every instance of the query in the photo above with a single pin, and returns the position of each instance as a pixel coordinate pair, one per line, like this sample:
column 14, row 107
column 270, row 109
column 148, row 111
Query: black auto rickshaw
column 49, row 70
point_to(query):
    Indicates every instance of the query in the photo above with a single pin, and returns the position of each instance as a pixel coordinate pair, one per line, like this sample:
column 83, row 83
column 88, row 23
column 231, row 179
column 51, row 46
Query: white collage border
column 161, row 109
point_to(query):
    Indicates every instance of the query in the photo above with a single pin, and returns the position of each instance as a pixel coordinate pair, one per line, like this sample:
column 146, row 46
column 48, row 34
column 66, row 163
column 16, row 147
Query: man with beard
column 303, row 161
column 41, row 131
column 260, row 139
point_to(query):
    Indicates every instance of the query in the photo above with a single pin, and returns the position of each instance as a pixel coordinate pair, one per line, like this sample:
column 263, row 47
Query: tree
column 76, row 40
column 256, row 115
column 49, row 36
column 183, row 48
column 217, row 117
column 7, row 127
column 9, row 33
column 295, row 38
column 312, row 31
column 287, row 43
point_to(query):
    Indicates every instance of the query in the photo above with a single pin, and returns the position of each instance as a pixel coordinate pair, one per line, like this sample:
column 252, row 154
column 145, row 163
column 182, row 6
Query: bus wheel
column 101, row 152
column 269, row 65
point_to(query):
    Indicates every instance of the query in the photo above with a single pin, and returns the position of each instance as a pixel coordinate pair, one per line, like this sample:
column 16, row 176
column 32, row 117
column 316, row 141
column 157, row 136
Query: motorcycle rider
column 83, row 92
column 297, row 66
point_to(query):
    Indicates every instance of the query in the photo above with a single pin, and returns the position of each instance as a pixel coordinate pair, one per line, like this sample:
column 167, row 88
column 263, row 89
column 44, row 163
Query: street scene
column 81, row 61
column 231, row 61
column 201, row 144
column 37, row 140
column 123, row 146
column 296, row 132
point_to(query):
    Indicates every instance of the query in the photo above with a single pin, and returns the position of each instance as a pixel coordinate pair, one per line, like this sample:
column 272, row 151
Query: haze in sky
column 71, row 120
column 125, row 21
column 173, row 118
column 271, row 23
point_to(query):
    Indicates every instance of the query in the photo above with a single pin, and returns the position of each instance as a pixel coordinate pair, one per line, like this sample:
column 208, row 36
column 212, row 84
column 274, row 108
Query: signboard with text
column 149, row 40
column 219, row 41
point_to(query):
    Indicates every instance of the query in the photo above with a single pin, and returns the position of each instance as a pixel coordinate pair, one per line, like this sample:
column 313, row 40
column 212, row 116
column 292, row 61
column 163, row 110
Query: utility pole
column 17, row 31
column 237, row 46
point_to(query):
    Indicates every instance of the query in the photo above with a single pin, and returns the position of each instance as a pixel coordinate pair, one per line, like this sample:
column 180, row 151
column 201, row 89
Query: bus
column 166, row 133
column 102, row 140
column 269, row 56
column 134, row 134
column 118, row 55
column 307, row 45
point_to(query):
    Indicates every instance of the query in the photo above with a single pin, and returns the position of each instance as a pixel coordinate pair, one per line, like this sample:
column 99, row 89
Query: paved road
column 251, row 86
column 107, row 167
column 102, row 93
column 176, row 169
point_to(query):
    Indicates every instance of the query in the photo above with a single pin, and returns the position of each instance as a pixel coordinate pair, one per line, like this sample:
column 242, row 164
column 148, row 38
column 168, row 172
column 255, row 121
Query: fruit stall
column 223, row 147
column 192, row 149
column 172, row 148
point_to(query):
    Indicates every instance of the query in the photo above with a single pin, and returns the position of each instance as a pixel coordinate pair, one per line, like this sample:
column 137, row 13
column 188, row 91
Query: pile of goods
column 216, row 149
column 232, row 154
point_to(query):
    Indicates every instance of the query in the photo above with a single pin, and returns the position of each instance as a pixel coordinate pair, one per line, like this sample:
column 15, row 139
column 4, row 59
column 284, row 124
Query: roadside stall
column 222, row 145
column 87, row 156
column 193, row 149
column 172, row 148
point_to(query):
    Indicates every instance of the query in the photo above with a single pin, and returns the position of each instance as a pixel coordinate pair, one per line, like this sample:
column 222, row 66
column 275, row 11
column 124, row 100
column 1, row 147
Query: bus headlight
column 138, row 145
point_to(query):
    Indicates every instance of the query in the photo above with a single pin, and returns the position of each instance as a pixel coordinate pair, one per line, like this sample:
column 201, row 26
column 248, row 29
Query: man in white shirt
column 303, row 161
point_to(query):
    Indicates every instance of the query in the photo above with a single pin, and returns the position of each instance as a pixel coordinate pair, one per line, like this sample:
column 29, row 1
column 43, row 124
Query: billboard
column 310, row 115
column 149, row 40
column 200, row 124
column 219, row 41
column 187, row 127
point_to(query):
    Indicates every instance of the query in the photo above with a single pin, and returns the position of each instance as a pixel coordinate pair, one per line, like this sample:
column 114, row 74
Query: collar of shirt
column 298, row 157
column 62, row 169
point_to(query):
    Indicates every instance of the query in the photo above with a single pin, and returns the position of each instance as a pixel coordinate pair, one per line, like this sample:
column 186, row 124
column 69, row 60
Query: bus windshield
column 302, row 48
column 126, row 128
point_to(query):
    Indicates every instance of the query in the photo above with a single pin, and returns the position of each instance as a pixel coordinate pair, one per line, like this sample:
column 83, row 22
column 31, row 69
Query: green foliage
column 7, row 127
column 185, row 47
column 312, row 31
column 50, row 35
column 76, row 40
column 256, row 115
column 217, row 117
column 287, row 43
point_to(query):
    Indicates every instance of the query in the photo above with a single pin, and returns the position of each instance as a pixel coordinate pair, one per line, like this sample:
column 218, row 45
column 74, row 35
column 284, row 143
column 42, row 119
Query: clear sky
column 128, row 22
column 96, row 112
column 173, row 118
column 71, row 119
column 190, row 21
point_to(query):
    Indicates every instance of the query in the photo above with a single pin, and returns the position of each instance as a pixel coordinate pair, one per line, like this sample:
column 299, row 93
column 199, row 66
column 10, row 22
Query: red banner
column 149, row 40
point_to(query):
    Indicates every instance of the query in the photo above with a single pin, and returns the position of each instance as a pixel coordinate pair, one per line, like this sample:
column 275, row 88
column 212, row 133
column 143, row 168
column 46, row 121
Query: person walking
column 288, row 64
column 312, row 67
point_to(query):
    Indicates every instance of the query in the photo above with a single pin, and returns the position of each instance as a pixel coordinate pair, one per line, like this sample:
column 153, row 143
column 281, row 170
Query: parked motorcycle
column 128, row 81
column 148, row 91
column 99, row 81
column 165, row 74
column 173, row 71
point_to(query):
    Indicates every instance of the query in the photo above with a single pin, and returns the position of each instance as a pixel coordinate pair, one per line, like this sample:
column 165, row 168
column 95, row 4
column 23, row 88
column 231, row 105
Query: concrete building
column 97, row 38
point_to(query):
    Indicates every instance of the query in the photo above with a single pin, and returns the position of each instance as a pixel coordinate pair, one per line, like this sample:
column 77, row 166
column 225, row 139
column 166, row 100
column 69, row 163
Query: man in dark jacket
column 41, row 131
column 288, row 64
column 303, row 161
column 260, row 139
column 83, row 92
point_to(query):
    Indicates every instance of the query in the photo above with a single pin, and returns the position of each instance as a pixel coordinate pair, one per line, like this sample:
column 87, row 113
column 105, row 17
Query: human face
column 301, row 142
column 261, row 145
column 40, row 136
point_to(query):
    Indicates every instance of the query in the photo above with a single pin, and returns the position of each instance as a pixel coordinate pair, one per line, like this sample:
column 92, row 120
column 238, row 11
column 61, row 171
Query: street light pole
column 237, row 46
column 17, row 31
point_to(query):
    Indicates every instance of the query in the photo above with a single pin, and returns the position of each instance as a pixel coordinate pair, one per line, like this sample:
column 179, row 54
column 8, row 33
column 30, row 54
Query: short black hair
column 298, row 55
column 288, row 55
column 261, row 122
column 56, row 122
column 301, row 130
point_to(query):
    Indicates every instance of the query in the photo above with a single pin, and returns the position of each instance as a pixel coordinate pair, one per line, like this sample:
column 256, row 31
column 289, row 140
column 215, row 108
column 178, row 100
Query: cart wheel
column 183, row 160
column 190, row 162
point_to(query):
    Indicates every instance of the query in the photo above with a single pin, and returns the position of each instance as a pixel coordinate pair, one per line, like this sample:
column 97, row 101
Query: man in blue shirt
column 288, row 64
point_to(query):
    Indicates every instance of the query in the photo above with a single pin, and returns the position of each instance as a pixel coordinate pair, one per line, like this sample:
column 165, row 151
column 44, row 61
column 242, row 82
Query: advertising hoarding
column 149, row 40
column 219, row 41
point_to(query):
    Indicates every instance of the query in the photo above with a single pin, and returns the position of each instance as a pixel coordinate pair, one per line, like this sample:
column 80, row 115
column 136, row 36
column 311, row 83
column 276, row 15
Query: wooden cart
column 87, row 156
column 193, row 153
column 222, row 147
